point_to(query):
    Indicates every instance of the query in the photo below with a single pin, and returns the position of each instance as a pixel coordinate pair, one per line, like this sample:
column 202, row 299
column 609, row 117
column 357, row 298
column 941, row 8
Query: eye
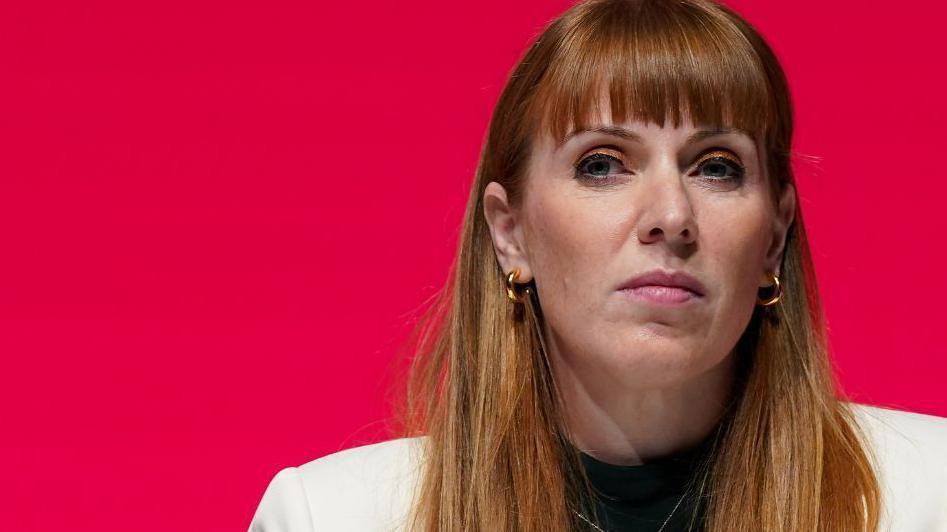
column 598, row 167
column 720, row 165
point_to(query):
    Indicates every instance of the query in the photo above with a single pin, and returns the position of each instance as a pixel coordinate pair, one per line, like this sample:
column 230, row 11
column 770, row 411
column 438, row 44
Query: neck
column 627, row 424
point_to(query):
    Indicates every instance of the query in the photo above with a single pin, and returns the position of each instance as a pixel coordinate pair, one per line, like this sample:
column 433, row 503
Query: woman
column 631, row 338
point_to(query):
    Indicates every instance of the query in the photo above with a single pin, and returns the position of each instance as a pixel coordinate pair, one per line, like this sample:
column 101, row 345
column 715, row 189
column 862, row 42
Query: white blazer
column 369, row 488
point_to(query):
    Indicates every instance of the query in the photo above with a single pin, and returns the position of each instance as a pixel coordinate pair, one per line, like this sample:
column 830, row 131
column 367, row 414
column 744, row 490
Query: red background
column 218, row 220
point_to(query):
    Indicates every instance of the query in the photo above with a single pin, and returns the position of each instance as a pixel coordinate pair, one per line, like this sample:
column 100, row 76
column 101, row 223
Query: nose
column 666, row 210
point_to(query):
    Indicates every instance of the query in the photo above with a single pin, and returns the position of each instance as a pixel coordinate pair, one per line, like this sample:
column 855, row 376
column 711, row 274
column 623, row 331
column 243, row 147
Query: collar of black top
column 646, row 482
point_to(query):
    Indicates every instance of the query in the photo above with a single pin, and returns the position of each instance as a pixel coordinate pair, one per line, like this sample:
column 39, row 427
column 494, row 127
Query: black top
column 640, row 498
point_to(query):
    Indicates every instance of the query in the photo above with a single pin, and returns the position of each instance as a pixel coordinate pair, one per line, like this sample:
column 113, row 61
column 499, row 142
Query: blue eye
column 596, row 167
column 717, row 166
column 721, row 168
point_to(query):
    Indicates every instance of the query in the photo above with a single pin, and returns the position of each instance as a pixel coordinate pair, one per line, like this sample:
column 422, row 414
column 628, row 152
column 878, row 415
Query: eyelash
column 708, row 157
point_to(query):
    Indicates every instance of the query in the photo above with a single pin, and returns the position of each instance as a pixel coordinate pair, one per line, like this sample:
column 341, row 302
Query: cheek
column 738, row 243
column 568, row 242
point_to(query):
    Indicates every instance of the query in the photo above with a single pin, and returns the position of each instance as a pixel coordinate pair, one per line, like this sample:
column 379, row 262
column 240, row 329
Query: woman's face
column 606, row 206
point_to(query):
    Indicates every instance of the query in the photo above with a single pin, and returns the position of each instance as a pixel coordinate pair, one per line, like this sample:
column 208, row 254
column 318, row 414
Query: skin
column 641, row 381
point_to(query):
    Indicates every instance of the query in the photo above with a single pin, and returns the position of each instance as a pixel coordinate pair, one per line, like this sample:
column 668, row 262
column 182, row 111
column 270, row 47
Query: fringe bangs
column 655, row 61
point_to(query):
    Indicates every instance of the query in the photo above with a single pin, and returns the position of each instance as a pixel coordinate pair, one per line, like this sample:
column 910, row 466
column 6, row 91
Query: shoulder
column 909, row 451
column 903, row 436
column 369, row 487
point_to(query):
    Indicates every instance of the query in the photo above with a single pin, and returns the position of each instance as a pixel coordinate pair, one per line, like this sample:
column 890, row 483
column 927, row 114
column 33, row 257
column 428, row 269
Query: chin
column 657, row 358
column 661, row 336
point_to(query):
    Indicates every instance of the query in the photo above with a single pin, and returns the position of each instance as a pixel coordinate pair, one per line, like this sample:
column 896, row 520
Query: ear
column 786, row 212
column 506, row 231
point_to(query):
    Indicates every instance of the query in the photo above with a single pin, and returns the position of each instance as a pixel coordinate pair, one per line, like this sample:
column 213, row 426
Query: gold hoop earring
column 511, row 286
column 777, row 293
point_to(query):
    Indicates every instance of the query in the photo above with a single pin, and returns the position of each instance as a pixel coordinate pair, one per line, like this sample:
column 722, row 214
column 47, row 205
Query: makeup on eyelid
column 726, row 154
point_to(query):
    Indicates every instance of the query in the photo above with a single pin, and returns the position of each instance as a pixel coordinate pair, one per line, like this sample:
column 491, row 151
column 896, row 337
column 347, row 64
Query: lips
column 668, row 278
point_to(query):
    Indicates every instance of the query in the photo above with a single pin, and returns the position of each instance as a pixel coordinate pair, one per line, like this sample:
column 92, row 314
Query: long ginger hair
column 789, row 455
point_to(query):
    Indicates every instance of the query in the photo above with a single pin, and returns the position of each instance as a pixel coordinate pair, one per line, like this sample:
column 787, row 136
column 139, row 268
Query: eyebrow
column 628, row 134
